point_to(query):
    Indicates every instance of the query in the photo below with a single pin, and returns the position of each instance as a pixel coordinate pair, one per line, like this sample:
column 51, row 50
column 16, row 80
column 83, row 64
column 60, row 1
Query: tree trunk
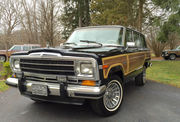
column 140, row 13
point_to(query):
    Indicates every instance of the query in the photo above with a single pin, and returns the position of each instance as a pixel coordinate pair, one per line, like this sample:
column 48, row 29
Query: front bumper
column 73, row 91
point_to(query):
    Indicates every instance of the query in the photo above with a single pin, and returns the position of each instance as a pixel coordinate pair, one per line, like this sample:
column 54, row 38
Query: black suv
column 93, row 65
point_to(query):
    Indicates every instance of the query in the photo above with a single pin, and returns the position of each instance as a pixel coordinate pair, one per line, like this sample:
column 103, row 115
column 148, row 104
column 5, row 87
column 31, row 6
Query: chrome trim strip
column 47, row 69
column 46, row 64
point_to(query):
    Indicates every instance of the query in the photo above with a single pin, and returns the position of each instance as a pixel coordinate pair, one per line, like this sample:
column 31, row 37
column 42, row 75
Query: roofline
column 107, row 26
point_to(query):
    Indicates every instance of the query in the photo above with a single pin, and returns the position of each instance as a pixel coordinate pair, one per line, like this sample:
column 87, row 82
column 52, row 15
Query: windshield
column 104, row 36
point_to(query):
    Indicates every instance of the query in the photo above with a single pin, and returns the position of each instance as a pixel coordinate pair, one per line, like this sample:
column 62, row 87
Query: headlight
column 86, row 68
column 16, row 64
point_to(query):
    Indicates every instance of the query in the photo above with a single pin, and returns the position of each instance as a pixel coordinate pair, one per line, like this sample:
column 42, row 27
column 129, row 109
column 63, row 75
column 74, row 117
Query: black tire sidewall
column 98, row 105
column 172, row 55
column 139, row 80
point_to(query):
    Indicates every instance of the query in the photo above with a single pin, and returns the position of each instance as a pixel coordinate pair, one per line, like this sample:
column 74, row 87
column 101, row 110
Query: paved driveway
column 152, row 103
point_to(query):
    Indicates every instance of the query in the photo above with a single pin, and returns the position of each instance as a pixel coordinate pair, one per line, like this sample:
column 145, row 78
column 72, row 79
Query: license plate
column 41, row 90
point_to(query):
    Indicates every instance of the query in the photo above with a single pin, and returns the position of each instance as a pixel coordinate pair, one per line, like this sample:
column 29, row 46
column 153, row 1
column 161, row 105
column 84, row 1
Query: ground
column 152, row 103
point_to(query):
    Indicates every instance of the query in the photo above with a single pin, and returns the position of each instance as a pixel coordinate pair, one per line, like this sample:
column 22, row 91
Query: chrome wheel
column 2, row 58
column 113, row 95
column 172, row 57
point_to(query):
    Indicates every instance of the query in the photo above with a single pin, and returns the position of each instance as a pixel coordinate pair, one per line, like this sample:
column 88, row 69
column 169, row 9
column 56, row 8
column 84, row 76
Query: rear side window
column 35, row 47
column 139, row 40
column 26, row 48
column 143, row 42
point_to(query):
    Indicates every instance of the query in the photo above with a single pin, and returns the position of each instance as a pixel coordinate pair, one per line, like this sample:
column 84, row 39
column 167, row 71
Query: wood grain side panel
column 115, row 61
column 129, row 62
column 136, row 61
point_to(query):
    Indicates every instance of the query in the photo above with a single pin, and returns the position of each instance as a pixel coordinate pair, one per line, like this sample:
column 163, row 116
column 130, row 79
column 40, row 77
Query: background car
column 171, row 54
column 4, row 55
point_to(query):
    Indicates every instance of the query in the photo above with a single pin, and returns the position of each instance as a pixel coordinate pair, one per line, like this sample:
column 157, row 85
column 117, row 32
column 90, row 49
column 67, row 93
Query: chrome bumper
column 12, row 82
column 75, row 91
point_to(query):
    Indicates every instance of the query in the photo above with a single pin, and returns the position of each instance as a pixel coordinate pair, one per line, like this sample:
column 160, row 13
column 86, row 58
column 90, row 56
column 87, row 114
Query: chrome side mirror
column 130, row 44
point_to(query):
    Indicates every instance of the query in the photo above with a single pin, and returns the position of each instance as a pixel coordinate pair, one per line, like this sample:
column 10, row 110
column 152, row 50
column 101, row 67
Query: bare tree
column 48, row 20
column 173, row 40
column 156, row 46
column 9, row 18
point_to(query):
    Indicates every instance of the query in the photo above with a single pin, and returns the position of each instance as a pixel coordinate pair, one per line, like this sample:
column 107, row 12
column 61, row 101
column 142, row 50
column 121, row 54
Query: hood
column 94, row 52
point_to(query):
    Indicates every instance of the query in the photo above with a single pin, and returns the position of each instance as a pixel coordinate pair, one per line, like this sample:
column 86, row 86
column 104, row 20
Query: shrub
column 6, row 71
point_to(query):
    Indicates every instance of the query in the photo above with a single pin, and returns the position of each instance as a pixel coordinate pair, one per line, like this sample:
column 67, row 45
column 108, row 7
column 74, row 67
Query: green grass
column 3, row 86
column 167, row 72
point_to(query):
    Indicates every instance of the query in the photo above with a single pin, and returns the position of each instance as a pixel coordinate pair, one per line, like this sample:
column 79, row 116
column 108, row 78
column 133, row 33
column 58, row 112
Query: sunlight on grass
column 167, row 72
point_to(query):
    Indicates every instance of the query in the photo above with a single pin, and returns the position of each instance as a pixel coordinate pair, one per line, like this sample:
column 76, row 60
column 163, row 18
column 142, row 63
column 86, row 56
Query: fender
column 118, row 70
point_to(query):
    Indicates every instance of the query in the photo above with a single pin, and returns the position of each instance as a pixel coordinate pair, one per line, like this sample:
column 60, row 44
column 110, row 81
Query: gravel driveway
column 152, row 103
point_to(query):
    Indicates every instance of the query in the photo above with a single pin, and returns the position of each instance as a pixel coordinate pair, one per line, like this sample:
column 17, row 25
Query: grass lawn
column 167, row 72
column 3, row 86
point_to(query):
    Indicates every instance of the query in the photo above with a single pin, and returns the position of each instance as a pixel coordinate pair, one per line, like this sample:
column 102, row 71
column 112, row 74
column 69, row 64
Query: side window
column 16, row 48
column 34, row 47
column 137, row 39
column 143, row 42
column 129, row 36
column 26, row 48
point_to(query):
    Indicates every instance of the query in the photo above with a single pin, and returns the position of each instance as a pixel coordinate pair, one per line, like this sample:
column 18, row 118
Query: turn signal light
column 88, row 83
column 14, row 75
column 105, row 66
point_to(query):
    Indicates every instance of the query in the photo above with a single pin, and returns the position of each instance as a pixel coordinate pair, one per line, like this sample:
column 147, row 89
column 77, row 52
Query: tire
column 140, row 80
column 172, row 57
column 2, row 58
column 111, row 101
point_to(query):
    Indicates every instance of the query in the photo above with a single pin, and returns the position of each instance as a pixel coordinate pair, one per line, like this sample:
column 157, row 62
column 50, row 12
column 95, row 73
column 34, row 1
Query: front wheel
column 110, row 102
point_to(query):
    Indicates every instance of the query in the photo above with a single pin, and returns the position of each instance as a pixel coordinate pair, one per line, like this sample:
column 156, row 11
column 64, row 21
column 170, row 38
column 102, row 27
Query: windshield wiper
column 67, row 43
column 112, row 45
column 87, row 41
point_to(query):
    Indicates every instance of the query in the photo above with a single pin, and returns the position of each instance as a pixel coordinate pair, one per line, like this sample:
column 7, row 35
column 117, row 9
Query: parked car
column 94, row 64
column 4, row 55
column 171, row 54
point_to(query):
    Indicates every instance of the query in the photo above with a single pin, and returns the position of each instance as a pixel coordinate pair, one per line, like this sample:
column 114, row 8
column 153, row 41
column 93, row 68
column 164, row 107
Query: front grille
column 47, row 66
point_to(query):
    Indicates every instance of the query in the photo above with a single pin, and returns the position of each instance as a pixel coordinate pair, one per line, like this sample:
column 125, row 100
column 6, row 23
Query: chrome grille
column 48, row 66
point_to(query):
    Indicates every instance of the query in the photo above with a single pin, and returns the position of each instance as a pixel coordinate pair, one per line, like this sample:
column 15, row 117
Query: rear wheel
column 110, row 102
column 140, row 80
column 2, row 58
column 172, row 57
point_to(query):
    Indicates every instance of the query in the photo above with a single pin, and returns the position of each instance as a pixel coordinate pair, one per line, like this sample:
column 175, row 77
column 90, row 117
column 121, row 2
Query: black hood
column 94, row 52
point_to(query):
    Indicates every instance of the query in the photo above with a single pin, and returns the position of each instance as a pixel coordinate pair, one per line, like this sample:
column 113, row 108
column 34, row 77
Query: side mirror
column 130, row 44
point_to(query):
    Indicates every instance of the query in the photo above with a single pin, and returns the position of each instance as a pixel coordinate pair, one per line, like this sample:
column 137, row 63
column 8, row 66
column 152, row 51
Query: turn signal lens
column 105, row 66
column 88, row 83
